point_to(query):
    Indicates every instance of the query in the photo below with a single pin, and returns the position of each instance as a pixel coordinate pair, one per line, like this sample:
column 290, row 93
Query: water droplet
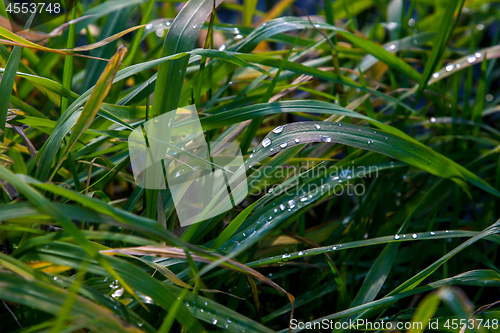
column 251, row 155
column 275, row 210
column 194, row 26
column 415, row 42
column 297, row 140
column 149, row 26
column 326, row 139
column 167, row 23
column 178, row 173
column 272, row 149
column 471, row 59
column 478, row 55
column 392, row 47
column 386, row 138
column 300, row 253
column 282, row 207
column 278, row 130
column 303, row 199
column 316, row 126
column 283, row 145
column 270, row 217
column 238, row 37
column 369, row 141
column 214, row 321
column 285, row 256
column 266, row 142
column 411, row 22
column 160, row 32
column 480, row 26
column 435, row 75
column 433, row 120
column 340, row 124
column 396, row 237
column 414, row 236
column 334, row 248
column 244, row 235
column 450, row 67
column 432, row 233
column 222, row 48
column 291, row 203
column 489, row 97
column 392, row 25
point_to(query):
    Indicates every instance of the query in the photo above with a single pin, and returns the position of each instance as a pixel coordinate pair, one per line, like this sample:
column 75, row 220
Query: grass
column 369, row 130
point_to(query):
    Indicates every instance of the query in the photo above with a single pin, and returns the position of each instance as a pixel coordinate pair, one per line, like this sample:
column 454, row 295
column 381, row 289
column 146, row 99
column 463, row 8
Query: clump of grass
column 383, row 165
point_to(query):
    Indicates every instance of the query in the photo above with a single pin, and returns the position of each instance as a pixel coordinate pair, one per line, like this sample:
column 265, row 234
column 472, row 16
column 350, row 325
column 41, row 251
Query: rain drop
column 149, row 26
column 414, row 236
column 300, row 253
column 432, row 233
column 480, row 26
column 275, row 210
column 471, row 59
column 334, row 248
column 450, row 67
column 297, row 140
column 251, row 155
column 278, row 130
column 303, row 199
column 160, row 32
column 266, row 142
column 396, row 237
column 282, row 207
column 411, row 22
column 433, row 120
column 283, row 145
column 326, row 139
column 214, row 321
column 435, row 75
column 392, row 47
column 285, row 256
column 478, row 55
column 316, row 126
column 291, row 203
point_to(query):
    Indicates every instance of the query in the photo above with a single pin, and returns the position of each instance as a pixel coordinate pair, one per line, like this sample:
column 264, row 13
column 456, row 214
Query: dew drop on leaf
column 278, row 130
column 266, row 142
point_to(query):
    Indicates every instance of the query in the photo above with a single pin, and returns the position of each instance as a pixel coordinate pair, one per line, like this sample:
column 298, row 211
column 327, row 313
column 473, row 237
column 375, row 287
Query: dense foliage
column 369, row 130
